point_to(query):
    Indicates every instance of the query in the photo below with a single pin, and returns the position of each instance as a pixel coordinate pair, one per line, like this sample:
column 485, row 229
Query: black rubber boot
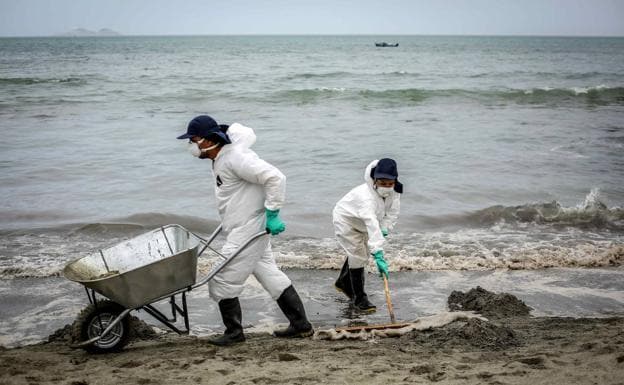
column 343, row 283
column 232, row 319
column 360, row 299
column 291, row 305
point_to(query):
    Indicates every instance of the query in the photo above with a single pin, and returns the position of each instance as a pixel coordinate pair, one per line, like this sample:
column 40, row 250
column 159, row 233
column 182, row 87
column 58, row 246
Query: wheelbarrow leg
column 175, row 309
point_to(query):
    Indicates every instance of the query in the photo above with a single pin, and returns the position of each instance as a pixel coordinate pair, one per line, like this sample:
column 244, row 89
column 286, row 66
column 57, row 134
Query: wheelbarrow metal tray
column 140, row 270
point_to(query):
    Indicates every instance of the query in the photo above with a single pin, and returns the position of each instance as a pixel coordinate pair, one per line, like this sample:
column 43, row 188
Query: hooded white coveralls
column 359, row 216
column 244, row 186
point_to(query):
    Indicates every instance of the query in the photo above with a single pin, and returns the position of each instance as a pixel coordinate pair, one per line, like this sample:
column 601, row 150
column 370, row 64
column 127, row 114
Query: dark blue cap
column 386, row 169
column 205, row 127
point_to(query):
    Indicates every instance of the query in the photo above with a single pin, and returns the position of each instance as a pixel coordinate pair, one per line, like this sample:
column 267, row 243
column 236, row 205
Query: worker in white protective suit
column 249, row 194
column 362, row 219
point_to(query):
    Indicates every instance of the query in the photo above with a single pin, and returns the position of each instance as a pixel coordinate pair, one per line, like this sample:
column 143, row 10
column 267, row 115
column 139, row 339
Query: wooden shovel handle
column 388, row 300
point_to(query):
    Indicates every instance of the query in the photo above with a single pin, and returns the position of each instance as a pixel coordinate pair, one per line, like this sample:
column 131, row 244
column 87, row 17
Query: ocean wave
column 529, row 236
column 31, row 81
column 590, row 75
column 593, row 95
column 547, row 75
column 43, row 255
column 576, row 91
column 325, row 75
column 305, row 96
column 121, row 225
column 466, row 250
column 435, row 254
column 138, row 223
column 30, row 272
column 591, row 214
column 345, row 74
column 153, row 220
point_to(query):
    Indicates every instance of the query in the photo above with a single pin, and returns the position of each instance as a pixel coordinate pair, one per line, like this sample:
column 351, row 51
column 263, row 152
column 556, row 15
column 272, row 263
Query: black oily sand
column 476, row 332
column 139, row 329
column 487, row 303
column 472, row 332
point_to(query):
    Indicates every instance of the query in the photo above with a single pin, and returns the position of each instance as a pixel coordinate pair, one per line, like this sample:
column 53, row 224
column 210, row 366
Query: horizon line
column 308, row 34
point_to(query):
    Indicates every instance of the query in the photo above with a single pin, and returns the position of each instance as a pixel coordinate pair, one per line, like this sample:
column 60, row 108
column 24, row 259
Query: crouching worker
column 362, row 219
column 249, row 194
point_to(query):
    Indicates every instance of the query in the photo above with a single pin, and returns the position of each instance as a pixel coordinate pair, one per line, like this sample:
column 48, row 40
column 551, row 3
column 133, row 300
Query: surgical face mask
column 384, row 192
column 196, row 151
column 193, row 148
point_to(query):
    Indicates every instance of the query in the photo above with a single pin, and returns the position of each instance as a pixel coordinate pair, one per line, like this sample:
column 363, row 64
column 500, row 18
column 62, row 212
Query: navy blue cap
column 205, row 127
column 386, row 169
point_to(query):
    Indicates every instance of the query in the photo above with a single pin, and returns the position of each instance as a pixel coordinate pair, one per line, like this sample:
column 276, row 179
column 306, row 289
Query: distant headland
column 82, row 32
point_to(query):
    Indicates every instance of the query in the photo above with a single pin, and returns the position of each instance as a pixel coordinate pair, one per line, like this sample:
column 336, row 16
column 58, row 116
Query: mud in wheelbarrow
column 134, row 274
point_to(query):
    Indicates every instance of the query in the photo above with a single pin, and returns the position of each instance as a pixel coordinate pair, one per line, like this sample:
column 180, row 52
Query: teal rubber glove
column 384, row 232
column 382, row 265
column 274, row 224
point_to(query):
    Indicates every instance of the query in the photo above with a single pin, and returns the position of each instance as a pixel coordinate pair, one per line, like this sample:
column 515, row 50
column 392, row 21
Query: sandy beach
column 511, row 347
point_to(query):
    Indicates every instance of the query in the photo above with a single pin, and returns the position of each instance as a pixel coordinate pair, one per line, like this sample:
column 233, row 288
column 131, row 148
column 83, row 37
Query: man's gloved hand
column 274, row 224
column 384, row 232
column 382, row 265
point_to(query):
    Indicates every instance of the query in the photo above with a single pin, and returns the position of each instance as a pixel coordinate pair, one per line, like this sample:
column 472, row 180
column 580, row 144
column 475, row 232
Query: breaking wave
column 598, row 95
column 463, row 250
column 591, row 214
column 529, row 236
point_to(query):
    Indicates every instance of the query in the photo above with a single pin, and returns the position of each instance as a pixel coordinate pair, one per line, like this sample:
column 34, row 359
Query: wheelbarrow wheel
column 93, row 320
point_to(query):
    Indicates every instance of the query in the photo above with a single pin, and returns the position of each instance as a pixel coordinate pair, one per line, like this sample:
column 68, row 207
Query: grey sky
column 169, row 17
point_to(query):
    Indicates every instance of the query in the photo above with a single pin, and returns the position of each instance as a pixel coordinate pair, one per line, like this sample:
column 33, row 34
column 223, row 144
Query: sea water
column 511, row 149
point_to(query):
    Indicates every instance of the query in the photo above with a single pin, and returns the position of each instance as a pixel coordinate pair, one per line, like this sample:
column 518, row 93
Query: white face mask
column 194, row 149
column 384, row 192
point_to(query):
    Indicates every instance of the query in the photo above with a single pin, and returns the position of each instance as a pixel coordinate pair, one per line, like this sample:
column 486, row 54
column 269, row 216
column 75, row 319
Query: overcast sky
column 199, row 17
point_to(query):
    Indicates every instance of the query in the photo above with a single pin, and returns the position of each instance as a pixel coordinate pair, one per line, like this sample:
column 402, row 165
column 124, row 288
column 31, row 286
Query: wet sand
column 509, row 348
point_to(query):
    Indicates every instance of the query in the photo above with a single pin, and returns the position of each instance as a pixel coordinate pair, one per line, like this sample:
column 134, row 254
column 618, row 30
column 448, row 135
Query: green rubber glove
column 384, row 232
column 382, row 265
column 274, row 224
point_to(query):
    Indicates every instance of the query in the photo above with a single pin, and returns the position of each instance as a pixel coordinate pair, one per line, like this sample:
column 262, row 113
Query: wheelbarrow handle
column 229, row 258
column 208, row 241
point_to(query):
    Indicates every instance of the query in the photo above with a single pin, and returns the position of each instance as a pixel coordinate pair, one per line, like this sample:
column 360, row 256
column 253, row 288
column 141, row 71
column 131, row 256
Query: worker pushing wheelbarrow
column 249, row 194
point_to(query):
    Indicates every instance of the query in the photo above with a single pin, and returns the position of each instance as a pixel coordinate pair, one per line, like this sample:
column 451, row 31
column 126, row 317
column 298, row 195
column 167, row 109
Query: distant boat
column 384, row 44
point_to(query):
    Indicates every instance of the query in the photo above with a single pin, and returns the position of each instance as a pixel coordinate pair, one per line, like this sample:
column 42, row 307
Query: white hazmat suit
column 359, row 217
column 244, row 186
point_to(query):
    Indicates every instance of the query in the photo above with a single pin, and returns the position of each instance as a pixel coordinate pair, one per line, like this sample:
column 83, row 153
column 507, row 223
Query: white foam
column 585, row 90
column 332, row 89
column 592, row 200
column 531, row 91
column 525, row 243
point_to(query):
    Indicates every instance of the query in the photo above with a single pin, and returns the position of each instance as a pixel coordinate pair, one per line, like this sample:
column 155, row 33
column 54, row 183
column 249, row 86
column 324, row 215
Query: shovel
column 388, row 300
column 392, row 325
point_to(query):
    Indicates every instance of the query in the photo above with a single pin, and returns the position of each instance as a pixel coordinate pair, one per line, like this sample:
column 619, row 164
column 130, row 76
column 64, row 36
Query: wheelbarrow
column 135, row 274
